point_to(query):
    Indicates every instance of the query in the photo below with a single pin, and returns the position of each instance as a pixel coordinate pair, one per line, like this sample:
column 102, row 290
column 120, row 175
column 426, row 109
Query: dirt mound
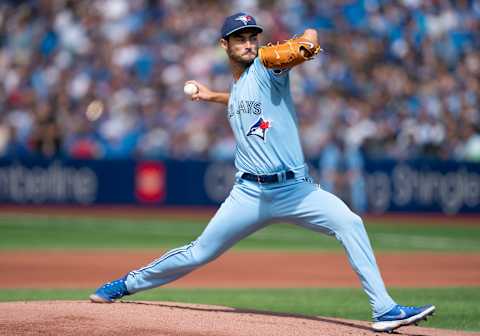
column 165, row 318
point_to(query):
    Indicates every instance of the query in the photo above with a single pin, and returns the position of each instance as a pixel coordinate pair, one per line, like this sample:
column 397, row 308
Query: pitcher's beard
column 241, row 61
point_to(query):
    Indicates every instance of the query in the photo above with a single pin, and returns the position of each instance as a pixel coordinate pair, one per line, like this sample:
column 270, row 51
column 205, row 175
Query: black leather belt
column 267, row 178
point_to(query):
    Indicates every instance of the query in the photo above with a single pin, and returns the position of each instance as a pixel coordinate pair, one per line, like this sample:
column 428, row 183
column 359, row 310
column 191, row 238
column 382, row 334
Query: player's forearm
column 219, row 97
column 311, row 35
column 200, row 92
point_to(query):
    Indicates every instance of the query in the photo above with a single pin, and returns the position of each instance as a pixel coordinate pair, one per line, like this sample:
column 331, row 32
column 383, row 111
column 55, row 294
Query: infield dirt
column 81, row 318
column 252, row 269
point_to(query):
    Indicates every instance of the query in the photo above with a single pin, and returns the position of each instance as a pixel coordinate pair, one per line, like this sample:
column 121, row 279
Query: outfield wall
column 411, row 186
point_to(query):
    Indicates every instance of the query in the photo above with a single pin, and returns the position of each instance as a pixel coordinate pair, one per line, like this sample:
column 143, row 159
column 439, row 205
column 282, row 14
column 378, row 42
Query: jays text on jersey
column 264, row 121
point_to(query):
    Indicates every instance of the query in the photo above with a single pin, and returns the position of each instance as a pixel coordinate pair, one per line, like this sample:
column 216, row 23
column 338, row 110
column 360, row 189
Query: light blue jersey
column 264, row 121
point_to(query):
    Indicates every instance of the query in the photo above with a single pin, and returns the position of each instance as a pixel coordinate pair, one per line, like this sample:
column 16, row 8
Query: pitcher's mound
column 83, row 318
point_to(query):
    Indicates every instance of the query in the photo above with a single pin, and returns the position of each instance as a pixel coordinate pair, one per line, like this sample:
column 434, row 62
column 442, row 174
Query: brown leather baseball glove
column 288, row 54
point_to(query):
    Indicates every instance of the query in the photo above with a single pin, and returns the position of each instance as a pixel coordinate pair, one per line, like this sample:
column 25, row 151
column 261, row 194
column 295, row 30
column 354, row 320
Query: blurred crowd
column 104, row 78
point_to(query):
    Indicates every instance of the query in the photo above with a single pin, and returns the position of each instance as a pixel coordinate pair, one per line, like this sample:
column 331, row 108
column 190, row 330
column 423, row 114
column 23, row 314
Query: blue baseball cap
column 238, row 22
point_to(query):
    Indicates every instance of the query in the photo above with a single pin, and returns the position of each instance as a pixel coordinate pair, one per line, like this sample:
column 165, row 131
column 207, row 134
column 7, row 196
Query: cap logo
column 244, row 18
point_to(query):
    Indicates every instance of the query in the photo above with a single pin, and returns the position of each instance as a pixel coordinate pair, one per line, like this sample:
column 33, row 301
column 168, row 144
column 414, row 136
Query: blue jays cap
column 238, row 22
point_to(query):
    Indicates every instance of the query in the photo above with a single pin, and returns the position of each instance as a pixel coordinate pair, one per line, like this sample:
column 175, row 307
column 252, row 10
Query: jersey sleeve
column 279, row 76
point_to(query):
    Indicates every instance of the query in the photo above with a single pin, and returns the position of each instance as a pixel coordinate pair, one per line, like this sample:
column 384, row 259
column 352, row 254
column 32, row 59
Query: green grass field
column 56, row 232
column 457, row 307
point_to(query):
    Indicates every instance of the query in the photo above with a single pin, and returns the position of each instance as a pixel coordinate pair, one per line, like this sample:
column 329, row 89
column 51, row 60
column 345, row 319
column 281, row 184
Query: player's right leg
column 241, row 214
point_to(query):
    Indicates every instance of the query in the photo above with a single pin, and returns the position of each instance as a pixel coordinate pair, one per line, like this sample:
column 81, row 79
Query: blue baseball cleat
column 400, row 316
column 110, row 291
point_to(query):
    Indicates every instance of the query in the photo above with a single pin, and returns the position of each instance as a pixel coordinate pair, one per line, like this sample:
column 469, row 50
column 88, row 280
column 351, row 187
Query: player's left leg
column 316, row 209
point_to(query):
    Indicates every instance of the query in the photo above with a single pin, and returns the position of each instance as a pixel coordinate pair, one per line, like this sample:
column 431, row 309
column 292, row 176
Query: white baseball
column 190, row 89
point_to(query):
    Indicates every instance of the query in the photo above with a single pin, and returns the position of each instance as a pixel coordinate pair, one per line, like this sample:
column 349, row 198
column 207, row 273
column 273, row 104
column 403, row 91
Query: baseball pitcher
column 272, row 181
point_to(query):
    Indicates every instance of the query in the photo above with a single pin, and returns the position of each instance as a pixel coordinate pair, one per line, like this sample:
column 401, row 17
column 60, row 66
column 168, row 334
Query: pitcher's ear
column 224, row 43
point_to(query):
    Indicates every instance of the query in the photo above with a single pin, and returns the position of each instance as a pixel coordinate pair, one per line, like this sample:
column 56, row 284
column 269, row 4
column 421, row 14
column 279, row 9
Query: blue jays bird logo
column 260, row 128
column 245, row 19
